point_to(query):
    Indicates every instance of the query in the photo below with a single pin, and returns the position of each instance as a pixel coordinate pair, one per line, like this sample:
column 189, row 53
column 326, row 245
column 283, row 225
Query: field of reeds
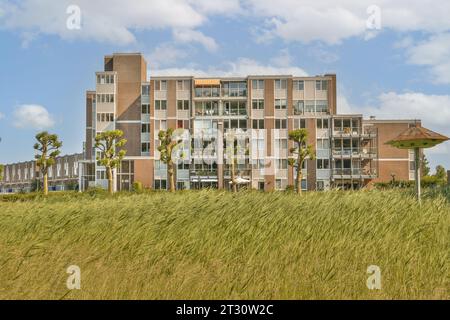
column 220, row 245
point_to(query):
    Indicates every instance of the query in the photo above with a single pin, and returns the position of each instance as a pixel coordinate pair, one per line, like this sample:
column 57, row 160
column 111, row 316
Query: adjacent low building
column 258, row 110
column 26, row 177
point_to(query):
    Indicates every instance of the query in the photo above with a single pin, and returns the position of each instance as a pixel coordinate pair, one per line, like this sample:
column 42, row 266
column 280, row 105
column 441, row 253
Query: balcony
column 346, row 132
column 348, row 173
column 367, row 153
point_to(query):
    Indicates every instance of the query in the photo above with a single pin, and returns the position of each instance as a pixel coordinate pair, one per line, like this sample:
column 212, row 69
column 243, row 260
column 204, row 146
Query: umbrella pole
column 417, row 171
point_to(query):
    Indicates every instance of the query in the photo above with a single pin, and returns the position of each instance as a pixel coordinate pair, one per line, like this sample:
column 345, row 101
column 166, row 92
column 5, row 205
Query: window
column 183, row 104
column 235, row 108
column 299, row 107
column 105, row 98
column 235, row 124
column 322, row 123
column 280, row 124
column 145, row 127
column 160, row 85
column 281, row 164
column 160, row 104
column 145, row 147
column 145, row 109
column 146, row 90
column 309, row 106
column 182, row 124
column 299, row 85
column 105, row 117
column 101, row 175
column 183, row 85
column 323, row 164
column 322, row 106
column 105, row 78
column 234, row 89
column 280, row 84
column 258, row 104
column 160, row 125
column 258, row 124
column 258, row 84
column 207, row 108
column 280, row 104
column 321, row 84
column 323, row 144
column 299, row 124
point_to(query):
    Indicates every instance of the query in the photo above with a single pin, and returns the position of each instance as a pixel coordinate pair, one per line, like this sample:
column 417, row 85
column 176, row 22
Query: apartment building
column 26, row 177
column 256, row 111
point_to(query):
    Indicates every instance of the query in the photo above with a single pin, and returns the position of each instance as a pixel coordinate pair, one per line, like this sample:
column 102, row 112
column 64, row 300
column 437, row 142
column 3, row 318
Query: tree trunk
column 171, row 172
column 299, row 176
column 233, row 176
column 110, row 181
column 45, row 183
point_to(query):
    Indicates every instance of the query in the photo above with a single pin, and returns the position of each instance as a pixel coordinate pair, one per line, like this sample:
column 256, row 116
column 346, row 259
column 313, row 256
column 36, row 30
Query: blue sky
column 397, row 67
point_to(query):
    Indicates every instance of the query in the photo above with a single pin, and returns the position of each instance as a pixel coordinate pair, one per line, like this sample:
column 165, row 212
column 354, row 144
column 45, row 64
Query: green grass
column 219, row 245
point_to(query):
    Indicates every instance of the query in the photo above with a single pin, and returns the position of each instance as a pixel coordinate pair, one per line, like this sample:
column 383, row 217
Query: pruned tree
column 301, row 151
column 108, row 142
column 170, row 141
column 47, row 147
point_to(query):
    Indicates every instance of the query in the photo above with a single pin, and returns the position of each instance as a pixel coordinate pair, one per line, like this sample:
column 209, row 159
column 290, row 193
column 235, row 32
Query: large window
column 160, row 85
column 299, row 85
column 160, row 104
column 145, row 109
column 183, row 104
column 105, row 117
column 322, row 106
column 257, row 104
column 322, row 124
column 323, row 164
column 207, row 91
column 258, row 124
column 280, row 104
column 299, row 106
column 235, row 124
column 323, row 144
column 280, row 124
column 207, row 108
column 257, row 84
column 183, row 85
column 299, row 124
column 146, row 90
column 321, row 84
column 234, row 89
column 145, row 127
column 280, row 84
column 105, row 98
column 105, row 78
column 235, row 108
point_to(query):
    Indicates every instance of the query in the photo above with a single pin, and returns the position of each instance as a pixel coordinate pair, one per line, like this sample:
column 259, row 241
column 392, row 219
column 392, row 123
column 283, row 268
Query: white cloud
column 435, row 54
column 165, row 54
column 329, row 22
column 1, row 116
column 433, row 110
column 192, row 36
column 32, row 116
column 243, row 67
column 105, row 20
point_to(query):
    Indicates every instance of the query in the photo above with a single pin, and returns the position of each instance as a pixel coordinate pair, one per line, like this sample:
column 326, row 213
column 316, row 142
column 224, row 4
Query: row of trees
column 110, row 146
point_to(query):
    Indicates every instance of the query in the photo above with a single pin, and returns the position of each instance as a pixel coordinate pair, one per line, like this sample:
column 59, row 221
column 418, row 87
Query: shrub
column 137, row 186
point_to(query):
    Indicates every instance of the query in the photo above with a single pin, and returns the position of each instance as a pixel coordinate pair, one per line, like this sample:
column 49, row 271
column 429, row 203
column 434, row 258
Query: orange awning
column 207, row 82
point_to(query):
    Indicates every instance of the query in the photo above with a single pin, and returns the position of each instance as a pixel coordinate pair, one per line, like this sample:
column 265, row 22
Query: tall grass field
column 220, row 245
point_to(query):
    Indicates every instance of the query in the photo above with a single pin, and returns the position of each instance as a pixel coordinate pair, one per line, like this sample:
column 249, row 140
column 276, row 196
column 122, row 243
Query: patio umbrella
column 417, row 138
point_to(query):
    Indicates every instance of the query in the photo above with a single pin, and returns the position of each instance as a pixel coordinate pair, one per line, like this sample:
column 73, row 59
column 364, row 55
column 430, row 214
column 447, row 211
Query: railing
column 356, row 152
column 354, row 172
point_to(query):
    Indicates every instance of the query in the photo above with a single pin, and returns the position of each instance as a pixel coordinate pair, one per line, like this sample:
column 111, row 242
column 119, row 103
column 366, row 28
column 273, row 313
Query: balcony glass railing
column 354, row 172
column 355, row 152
